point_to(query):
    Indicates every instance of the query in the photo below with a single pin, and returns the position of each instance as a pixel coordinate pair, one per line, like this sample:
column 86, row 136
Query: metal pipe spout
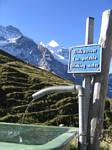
column 59, row 89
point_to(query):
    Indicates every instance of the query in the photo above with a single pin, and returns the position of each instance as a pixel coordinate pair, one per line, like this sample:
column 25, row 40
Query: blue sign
column 85, row 59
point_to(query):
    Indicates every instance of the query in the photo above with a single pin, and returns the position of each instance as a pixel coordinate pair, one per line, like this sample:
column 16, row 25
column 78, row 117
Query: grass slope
column 18, row 81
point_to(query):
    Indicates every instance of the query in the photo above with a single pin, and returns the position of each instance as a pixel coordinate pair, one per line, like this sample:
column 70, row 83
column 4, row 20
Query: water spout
column 59, row 89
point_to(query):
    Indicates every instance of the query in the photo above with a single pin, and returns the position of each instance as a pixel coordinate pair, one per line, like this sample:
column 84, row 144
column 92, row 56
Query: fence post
column 101, row 81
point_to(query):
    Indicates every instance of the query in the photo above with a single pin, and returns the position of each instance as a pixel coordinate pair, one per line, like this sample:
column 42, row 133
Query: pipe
column 82, row 131
column 60, row 89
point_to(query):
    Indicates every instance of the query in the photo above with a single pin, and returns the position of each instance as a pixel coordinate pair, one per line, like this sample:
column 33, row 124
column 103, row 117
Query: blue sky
column 60, row 20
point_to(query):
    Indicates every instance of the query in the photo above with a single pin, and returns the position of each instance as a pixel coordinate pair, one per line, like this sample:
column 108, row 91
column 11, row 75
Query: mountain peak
column 53, row 44
column 9, row 32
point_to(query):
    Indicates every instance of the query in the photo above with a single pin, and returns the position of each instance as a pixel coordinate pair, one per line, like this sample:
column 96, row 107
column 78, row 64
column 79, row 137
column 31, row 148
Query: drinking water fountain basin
column 35, row 137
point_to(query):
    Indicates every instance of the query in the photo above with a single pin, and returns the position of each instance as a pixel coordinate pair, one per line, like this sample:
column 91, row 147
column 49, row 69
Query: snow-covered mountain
column 50, row 56
column 15, row 43
column 59, row 52
column 55, row 63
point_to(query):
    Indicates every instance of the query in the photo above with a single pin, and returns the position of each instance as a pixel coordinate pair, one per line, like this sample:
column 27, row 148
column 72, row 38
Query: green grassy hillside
column 18, row 81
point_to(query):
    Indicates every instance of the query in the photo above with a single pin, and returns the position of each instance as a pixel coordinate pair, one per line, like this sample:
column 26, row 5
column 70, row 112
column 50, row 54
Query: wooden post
column 87, row 78
column 89, row 30
column 86, row 84
column 101, row 81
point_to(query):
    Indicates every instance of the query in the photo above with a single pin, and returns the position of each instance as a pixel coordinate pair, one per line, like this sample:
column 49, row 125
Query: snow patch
column 13, row 40
column 42, row 44
column 60, row 59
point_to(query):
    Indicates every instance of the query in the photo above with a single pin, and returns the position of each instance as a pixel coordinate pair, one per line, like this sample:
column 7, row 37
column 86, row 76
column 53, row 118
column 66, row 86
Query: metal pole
column 81, row 118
